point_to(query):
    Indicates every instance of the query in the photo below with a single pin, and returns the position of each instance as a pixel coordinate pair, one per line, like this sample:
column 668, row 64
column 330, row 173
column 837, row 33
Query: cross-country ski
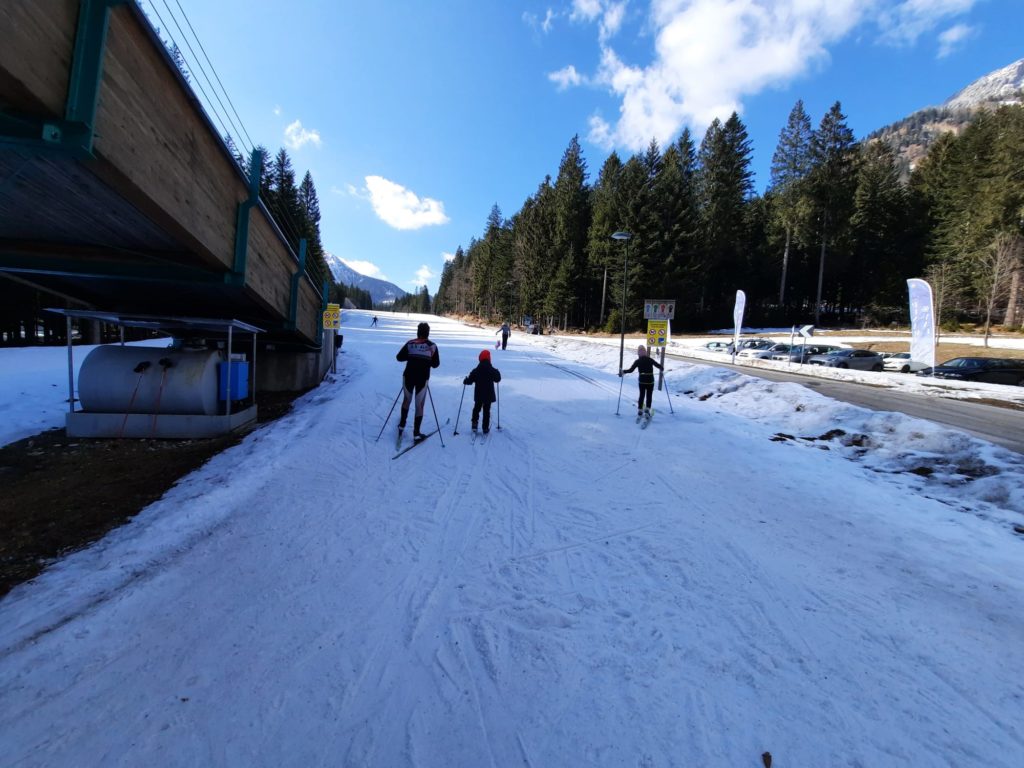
column 416, row 441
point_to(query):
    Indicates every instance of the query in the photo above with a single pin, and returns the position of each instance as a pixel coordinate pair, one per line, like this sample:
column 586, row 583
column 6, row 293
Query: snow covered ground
column 763, row 569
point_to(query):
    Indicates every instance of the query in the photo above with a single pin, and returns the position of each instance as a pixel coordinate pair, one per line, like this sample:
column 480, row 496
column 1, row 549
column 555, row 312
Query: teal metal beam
column 237, row 274
column 293, row 302
column 87, row 64
column 323, row 308
column 74, row 133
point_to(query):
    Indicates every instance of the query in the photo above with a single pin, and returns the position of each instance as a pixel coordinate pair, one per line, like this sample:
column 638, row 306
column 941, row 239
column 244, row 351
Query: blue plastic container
column 239, row 380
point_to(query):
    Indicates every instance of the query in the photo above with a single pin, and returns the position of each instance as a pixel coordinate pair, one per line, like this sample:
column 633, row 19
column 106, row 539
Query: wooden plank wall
column 153, row 145
column 36, row 43
column 148, row 129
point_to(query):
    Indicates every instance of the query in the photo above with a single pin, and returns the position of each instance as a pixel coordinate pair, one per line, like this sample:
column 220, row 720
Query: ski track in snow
column 570, row 590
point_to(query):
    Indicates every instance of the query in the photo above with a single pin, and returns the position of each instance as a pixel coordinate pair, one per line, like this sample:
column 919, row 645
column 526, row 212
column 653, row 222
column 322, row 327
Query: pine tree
column 832, row 180
column 879, row 263
column 724, row 184
column 606, row 215
column 791, row 165
column 572, row 220
column 285, row 197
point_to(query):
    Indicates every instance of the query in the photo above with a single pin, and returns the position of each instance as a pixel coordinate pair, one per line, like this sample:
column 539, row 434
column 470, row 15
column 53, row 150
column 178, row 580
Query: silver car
column 755, row 348
column 763, row 352
column 855, row 359
column 799, row 353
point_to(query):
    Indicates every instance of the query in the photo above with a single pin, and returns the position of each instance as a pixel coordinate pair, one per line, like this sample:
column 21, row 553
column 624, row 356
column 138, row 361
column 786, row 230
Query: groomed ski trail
column 565, row 594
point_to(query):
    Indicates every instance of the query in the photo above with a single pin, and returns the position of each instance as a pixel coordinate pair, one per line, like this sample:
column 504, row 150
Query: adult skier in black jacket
column 419, row 356
column 484, row 376
column 646, row 364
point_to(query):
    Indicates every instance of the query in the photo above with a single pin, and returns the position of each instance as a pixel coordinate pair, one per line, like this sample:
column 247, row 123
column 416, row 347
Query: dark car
column 857, row 359
column 991, row 370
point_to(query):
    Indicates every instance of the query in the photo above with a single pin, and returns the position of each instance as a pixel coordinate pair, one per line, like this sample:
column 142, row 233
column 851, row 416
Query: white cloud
column 585, row 10
column 401, row 208
column 277, row 110
column 566, row 77
column 295, row 136
column 367, row 268
column 953, row 37
column 534, row 21
column 448, row 256
column 611, row 20
column 709, row 54
column 423, row 275
column 908, row 20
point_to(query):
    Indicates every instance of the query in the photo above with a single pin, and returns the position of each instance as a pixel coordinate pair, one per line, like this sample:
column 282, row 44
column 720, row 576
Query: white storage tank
column 127, row 379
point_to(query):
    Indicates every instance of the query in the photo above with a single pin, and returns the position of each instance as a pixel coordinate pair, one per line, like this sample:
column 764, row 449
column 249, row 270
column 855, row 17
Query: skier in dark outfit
column 484, row 376
column 504, row 331
column 419, row 356
column 646, row 364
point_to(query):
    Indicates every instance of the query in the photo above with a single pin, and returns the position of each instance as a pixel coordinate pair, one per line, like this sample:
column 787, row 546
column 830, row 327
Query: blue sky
column 415, row 118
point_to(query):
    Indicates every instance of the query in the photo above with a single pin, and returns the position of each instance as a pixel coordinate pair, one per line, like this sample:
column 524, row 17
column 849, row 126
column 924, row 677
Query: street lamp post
column 625, row 236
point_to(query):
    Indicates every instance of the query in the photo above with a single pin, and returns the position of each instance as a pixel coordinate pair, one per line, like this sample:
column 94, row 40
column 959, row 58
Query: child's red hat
column 485, row 355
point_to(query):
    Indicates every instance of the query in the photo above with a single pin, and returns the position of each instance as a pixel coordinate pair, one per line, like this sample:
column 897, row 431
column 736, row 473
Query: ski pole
column 459, row 414
column 436, row 420
column 670, row 409
column 620, row 394
column 497, row 396
column 390, row 412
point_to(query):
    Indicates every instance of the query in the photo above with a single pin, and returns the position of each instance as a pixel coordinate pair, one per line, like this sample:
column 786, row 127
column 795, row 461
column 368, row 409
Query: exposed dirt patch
column 59, row 494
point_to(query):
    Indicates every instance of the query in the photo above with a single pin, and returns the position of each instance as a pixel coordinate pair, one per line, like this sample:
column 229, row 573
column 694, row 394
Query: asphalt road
column 1000, row 425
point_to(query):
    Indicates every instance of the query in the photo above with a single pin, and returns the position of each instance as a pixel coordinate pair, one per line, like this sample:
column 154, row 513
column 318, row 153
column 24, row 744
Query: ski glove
column 465, row 382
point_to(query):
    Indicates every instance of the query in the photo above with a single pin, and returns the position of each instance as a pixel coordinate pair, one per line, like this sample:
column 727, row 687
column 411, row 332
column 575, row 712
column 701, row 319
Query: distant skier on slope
column 484, row 377
column 505, row 333
column 419, row 356
column 646, row 364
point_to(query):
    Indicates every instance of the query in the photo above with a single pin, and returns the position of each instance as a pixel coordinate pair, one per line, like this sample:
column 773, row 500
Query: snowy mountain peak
column 381, row 291
column 1003, row 85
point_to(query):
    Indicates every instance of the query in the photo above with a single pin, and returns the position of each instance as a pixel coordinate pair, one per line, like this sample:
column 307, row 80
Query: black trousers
column 504, row 340
column 645, row 390
column 486, row 408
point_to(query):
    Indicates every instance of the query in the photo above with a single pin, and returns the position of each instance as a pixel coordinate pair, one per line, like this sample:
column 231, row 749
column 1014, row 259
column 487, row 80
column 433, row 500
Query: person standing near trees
column 646, row 364
column 419, row 355
column 505, row 331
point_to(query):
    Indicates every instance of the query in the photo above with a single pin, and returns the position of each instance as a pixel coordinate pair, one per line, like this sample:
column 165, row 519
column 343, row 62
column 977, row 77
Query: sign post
column 332, row 322
column 659, row 314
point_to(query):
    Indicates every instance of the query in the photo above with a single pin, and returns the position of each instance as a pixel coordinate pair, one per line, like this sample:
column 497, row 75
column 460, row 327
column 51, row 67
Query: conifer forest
column 832, row 241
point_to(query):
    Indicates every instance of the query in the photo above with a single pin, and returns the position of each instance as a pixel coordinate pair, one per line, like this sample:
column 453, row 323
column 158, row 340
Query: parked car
column 855, row 359
column 900, row 361
column 753, row 347
column 799, row 353
column 992, row 370
column 716, row 346
column 763, row 350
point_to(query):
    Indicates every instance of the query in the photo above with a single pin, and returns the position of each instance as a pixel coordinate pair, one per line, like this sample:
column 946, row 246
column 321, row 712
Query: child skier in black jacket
column 646, row 364
column 484, row 376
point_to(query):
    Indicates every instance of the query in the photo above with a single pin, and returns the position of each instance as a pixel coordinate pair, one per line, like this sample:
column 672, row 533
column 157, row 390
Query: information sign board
column 659, row 309
column 657, row 333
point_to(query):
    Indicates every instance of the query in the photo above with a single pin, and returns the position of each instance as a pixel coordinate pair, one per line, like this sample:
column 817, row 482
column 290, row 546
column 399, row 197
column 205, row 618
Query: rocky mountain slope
column 912, row 136
column 381, row 291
